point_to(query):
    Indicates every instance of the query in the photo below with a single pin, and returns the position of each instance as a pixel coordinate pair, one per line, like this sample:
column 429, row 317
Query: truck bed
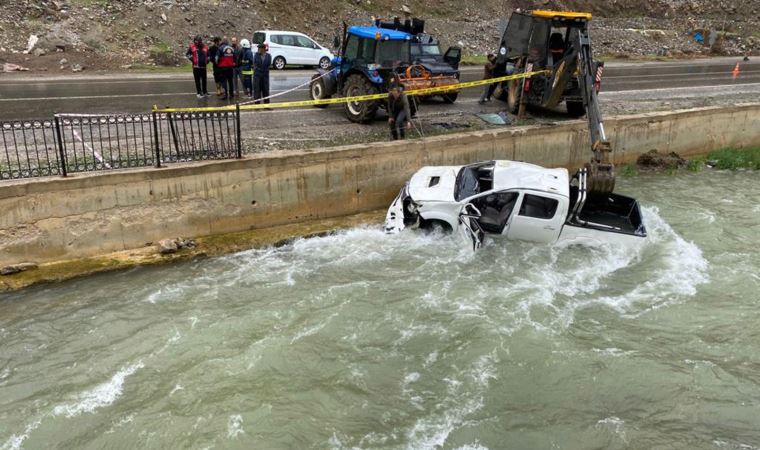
column 612, row 212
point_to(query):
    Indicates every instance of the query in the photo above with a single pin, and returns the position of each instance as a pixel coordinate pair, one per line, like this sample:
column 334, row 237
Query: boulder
column 16, row 268
column 167, row 246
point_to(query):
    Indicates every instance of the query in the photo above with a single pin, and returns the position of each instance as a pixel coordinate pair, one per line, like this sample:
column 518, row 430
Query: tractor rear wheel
column 575, row 109
column 360, row 112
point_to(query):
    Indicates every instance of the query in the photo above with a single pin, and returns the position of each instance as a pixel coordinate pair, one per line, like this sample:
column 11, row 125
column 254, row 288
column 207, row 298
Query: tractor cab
column 371, row 57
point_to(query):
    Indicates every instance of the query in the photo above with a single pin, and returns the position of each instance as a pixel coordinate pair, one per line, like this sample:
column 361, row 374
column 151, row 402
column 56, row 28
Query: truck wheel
column 360, row 112
column 450, row 97
column 317, row 90
column 279, row 63
column 575, row 109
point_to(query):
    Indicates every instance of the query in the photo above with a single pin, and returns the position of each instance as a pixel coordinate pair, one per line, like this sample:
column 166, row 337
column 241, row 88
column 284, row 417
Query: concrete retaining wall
column 67, row 218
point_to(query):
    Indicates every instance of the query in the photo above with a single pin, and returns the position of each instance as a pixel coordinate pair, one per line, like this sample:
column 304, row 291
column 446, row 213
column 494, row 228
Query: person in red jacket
column 197, row 53
column 225, row 60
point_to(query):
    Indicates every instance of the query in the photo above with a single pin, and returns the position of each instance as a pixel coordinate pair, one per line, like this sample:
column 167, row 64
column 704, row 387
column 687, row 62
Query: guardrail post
column 175, row 139
column 237, row 120
column 156, row 144
column 61, row 151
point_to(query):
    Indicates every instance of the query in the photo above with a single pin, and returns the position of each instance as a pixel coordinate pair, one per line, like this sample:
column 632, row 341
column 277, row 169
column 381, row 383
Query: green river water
column 363, row 340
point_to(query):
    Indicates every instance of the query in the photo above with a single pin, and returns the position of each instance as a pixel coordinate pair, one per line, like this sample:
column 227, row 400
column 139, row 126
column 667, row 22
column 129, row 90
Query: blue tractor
column 371, row 57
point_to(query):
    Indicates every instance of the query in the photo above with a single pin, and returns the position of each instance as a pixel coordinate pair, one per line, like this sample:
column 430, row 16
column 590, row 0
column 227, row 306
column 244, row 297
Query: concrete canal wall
column 55, row 219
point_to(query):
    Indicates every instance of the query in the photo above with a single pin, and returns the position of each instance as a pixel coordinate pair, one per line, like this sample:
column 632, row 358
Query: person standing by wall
column 238, row 76
column 246, row 67
column 261, row 63
column 225, row 59
column 197, row 53
column 398, row 111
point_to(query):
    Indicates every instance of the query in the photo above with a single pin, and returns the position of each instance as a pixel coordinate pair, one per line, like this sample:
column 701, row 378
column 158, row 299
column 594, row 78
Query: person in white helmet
column 246, row 66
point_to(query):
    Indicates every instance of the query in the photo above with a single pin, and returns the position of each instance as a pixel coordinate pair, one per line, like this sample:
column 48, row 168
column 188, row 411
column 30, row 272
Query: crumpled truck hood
column 434, row 184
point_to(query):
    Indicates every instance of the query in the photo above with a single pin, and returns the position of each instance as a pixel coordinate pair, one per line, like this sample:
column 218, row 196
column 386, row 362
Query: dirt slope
column 101, row 34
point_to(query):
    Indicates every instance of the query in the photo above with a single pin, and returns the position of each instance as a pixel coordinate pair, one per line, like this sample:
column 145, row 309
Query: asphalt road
column 24, row 97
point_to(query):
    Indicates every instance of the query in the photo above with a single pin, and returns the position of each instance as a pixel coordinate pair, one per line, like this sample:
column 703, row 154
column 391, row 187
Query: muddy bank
column 208, row 246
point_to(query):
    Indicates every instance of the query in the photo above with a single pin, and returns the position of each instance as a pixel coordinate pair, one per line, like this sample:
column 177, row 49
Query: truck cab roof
column 520, row 175
column 384, row 33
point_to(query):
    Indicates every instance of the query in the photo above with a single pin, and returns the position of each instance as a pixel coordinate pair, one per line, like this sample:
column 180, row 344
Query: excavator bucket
column 601, row 173
column 601, row 178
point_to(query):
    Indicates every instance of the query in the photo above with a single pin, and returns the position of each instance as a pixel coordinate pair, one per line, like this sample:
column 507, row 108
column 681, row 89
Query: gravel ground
column 321, row 128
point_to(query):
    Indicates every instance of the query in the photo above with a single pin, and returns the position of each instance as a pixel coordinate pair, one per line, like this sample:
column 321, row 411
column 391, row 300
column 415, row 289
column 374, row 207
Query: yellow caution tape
column 358, row 98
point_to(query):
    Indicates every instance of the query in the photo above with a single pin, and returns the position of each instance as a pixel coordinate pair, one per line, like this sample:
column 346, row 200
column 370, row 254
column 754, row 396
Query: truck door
column 453, row 56
column 469, row 228
column 538, row 219
column 495, row 210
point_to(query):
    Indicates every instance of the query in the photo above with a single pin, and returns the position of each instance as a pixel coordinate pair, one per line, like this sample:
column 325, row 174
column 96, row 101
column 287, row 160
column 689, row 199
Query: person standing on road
column 225, row 59
column 246, row 67
column 261, row 62
column 212, row 51
column 398, row 111
column 488, row 73
column 197, row 53
column 238, row 77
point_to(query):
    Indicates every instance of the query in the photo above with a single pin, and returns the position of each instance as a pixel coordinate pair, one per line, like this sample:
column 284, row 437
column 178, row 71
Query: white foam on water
column 123, row 421
column 100, row 396
column 16, row 441
column 615, row 425
column 684, row 270
column 235, row 426
column 463, row 400
column 474, row 446
column 613, row 352
column 177, row 387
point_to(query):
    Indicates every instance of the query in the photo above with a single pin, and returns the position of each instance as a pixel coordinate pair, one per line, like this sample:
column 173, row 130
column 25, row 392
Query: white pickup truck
column 515, row 200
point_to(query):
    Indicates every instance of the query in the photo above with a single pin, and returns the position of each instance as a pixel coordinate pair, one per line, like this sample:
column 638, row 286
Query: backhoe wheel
column 450, row 97
column 575, row 109
column 360, row 112
column 513, row 96
column 317, row 90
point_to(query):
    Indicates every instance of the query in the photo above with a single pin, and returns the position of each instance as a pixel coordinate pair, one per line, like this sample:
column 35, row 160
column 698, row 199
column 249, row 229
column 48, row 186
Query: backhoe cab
column 557, row 41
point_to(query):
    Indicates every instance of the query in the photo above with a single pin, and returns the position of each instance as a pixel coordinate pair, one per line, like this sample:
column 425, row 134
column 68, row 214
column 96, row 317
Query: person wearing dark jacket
column 398, row 111
column 488, row 73
column 212, row 51
column 225, row 59
column 246, row 66
column 197, row 53
column 261, row 62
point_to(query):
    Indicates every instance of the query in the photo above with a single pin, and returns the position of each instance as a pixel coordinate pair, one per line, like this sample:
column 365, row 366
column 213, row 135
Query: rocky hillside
column 102, row 34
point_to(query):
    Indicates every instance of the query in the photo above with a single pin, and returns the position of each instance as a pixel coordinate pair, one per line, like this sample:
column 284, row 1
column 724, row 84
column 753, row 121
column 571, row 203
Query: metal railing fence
column 70, row 144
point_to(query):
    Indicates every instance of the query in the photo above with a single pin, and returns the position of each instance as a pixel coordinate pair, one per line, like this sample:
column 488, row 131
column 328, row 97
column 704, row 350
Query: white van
column 290, row 47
